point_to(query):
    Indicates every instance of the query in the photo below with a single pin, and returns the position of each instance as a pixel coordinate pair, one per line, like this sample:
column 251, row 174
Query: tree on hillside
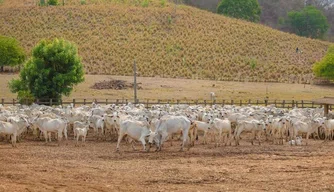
column 11, row 53
column 309, row 22
column 325, row 68
column 249, row 10
column 52, row 71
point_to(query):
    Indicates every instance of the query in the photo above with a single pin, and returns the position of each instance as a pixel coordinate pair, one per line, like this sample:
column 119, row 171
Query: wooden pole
column 135, row 81
column 326, row 110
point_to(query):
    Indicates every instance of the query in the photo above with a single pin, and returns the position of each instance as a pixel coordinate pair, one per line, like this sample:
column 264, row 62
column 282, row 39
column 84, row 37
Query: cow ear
column 117, row 116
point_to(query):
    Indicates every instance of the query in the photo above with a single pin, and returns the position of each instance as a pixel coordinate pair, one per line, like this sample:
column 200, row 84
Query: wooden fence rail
column 148, row 103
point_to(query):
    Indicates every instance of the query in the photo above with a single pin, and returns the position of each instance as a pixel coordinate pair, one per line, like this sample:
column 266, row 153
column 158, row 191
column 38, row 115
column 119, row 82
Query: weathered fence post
column 223, row 103
column 302, row 103
column 50, row 103
column 266, row 102
column 275, row 103
column 232, row 102
column 257, row 102
column 13, row 101
column 312, row 104
column 126, row 101
column 61, row 102
column 117, row 101
column 178, row 102
column 240, row 102
column 283, row 104
column 204, row 102
column 297, row 104
column 196, row 102
column 293, row 103
column 147, row 104
column 159, row 101
column 249, row 102
column 3, row 102
column 73, row 102
column 84, row 101
column 106, row 101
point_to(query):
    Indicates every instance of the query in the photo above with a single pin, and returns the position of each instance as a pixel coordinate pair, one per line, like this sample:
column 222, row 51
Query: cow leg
column 77, row 141
column 307, row 135
column 14, row 140
column 142, row 140
column 120, row 137
column 83, row 140
column 45, row 133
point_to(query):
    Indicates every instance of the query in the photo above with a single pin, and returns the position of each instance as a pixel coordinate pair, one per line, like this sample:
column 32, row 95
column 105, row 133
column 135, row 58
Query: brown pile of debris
column 114, row 84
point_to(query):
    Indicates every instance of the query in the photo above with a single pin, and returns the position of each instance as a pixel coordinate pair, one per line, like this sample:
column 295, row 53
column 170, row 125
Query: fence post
column 196, row 102
column 117, row 101
column 302, row 103
column 13, row 101
column 50, row 103
column 61, row 102
column 293, row 103
column 73, row 102
column 249, row 102
column 126, row 101
column 232, row 102
column 84, row 101
column 147, row 104
column 265, row 102
column 159, row 101
column 3, row 102
column 204, row 102
column 178, row 102
column 240, row 102
column 214, row 102
column 223, row 102
column 106, row 101
column 312, row 104
column 283, row 104
column 257, row 102
column 275, row 103
column 297, row 104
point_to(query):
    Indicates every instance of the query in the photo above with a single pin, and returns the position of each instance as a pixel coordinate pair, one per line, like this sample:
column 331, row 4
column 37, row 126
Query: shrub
column 249, row 10
column 83, row 2
column 325, row 68
column 53, row 2
column 11, row 53
column 51, row 72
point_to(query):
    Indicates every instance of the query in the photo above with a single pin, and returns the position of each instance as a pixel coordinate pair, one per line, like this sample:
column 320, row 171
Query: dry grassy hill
column 188, row 42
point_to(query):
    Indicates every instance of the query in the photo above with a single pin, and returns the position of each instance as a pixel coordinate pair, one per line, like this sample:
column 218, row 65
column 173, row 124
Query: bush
column 11, row 53
column 309, row 22
column 325, row 68
column 53, row 2
column 249, row 10
column 83, row 2
column 145, row 3
column 51, row 72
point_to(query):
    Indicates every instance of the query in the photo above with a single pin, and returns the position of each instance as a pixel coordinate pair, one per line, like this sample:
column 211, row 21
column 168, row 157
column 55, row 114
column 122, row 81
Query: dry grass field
column 188, row 43
column 34, row 166
column 154, row 88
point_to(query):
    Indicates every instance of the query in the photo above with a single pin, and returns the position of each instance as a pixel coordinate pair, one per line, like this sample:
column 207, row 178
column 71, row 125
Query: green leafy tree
column 53, row 2
column 11, row 53
column 52, row 71
column 249, row 10
column 325, row 68
column 309, row 22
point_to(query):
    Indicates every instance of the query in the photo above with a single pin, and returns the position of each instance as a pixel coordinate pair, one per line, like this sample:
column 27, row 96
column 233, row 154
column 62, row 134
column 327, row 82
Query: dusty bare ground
column 34, row 166
column 188, row 89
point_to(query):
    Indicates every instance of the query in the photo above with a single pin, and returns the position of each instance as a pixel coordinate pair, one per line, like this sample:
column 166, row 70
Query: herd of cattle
column 190, row 124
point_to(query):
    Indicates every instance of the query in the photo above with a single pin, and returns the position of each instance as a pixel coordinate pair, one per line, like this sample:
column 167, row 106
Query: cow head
column 153, row 137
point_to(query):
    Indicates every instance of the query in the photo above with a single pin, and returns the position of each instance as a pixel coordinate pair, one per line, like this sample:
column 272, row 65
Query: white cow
column 137, row 130
column 48, row 126
column 81, row 131
column 256, row 127
column 169, row 125
column 305, row 127
column 97, row 122
column 11, row 128
column 221, row 127
column 202, row 126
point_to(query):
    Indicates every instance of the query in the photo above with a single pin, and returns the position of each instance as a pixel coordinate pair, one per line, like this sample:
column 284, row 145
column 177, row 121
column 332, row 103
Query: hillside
column 188, row 43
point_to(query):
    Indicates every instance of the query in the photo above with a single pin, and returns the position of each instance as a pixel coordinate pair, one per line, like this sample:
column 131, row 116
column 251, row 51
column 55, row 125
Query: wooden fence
column 148, row 103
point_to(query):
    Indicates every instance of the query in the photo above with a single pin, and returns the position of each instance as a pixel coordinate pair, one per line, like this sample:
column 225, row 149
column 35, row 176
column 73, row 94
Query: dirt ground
column 34, row 166
column 155, row 88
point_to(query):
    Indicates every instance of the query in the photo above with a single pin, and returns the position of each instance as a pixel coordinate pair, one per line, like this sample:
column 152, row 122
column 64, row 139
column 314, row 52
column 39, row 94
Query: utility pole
column 135, row 81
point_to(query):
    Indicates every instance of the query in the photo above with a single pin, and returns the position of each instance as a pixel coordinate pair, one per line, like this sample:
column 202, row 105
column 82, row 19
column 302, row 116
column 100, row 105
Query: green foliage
column 145, row 3
column 52, row 71
column 42, row 3
column 325, row 68
column 252, row 63
column 11, row 53
column 309, row 22
column 83, row 2
column 53, row 2
column 249, row 10
column 163, row 3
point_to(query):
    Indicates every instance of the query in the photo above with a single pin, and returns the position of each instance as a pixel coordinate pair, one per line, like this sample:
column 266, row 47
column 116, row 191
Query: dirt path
column 34, row 166
column 188, row 89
